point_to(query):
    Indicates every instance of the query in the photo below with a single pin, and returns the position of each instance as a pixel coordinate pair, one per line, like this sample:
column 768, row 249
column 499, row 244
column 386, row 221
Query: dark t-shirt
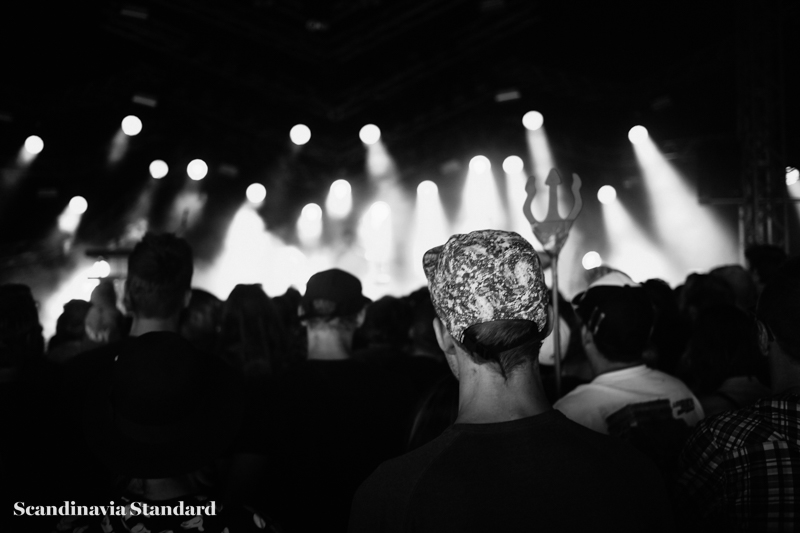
column 542, row 473
column 332, row 423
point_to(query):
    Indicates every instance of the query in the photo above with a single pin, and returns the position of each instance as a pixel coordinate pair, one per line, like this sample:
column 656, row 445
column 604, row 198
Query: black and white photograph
column 399, row 266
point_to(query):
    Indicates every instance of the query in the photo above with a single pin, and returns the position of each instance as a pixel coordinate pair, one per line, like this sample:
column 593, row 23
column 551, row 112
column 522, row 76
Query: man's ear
column 548, row 326
column 187, row 298
column 443, row 337
column 447, row 345
column 360, row 317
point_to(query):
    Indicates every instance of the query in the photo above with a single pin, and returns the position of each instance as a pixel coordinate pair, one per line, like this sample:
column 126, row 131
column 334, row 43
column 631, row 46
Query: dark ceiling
column 230, row 78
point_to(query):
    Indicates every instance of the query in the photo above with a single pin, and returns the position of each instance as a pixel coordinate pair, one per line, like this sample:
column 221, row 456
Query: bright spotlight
column 197, row 169
column 591, row 260
column 427, row 188
column 309, row 225
column 513, row 164
column 638, row 134
column 606, row 194
column 312, row 212
column 100, row 269
column 256, row 193
column 479, row 164
column 370, row 134
column 532, row 120
column 792, row 175
column 158, row 169
column 131, row 125
column 300, row 134
column 78, row 205
column 34, row 144
column 340, row 199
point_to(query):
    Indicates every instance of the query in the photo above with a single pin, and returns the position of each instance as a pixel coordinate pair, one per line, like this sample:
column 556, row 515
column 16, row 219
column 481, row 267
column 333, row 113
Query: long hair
column 251, row 337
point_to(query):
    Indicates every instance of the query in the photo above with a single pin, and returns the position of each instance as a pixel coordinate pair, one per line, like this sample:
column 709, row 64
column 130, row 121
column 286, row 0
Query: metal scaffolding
column 761, row 128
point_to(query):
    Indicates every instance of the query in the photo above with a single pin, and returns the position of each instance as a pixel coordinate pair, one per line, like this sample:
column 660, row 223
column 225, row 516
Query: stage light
column 792, row 175
column 606, row 194
column 131, row 125
column 513, row 164
column 312, row 212
column 591, row 260
column 100, row 269
column 78, row 205
column 479, row 164
column 34, row 144
column 256, row 193
column 309, row 225
column 427, row 188
column 379, row 213
column 370, row 134
column 340, row 199
column 638, row 134
column 533, row 120
column 158, row 169
column 300, row 134
column 197, row 169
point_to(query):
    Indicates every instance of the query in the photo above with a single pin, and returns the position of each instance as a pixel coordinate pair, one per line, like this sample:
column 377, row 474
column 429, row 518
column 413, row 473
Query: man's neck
column 142, row 325
column 601, row 365
column 485, row 397
column 327, row 344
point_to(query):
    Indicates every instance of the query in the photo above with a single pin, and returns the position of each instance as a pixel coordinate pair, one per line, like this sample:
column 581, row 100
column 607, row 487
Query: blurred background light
column 591, row 260
column 606, row 194
column 131, row 125
column 100, row 269
column 638, row 134
column 792, row 175
column 427, row 188
column 197, row 169
column 158, row 169
column 370, row 134
column 78, row 205
column 340, row 199
column 256, row 193
column 513, row 164
column 300, row 134
column 479, row 164
column 533, row 120
column 34, row 144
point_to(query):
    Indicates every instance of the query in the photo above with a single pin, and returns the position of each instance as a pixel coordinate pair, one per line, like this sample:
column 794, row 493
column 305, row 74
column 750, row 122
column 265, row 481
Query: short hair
column 503, row 344
column 160, row 272
column 779, row 307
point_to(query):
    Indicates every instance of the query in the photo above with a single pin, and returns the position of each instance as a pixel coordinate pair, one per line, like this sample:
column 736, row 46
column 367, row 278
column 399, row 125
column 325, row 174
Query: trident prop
column 552, row 233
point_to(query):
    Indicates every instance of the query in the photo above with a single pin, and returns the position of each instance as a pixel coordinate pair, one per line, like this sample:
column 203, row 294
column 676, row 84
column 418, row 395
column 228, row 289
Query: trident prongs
column 553, row 231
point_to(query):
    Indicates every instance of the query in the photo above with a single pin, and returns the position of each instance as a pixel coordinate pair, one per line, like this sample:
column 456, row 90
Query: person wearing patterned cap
column 510, row 462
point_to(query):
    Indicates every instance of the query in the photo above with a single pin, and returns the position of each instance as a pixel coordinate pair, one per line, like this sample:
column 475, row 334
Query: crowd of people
column 676, row 408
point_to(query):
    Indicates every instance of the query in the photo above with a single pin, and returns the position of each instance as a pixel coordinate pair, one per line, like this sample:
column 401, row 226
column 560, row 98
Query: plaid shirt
column 741, row 469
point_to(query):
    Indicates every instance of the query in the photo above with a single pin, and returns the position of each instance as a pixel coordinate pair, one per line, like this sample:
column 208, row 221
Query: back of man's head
column 619, row 314
column 159, row 276
column 779, row 307
column 488, row 290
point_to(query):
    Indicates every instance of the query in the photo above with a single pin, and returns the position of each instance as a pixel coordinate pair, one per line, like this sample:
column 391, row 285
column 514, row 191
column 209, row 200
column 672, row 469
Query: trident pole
column 557, row 323
column 552, row 233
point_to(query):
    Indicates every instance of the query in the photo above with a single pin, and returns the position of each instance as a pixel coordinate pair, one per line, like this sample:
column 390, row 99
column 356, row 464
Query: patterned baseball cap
column 484, row 276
